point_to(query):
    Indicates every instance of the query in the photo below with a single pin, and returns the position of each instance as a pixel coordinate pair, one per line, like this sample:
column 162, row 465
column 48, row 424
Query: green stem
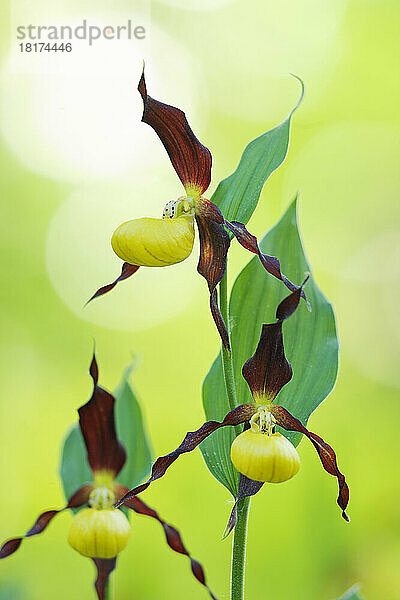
column 227, row 360
column 239, row 550
column 238, row 565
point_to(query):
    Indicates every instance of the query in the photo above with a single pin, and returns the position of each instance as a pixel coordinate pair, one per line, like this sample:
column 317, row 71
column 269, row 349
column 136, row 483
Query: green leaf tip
column 300, row 100
column 238, row 194
column 352, row 593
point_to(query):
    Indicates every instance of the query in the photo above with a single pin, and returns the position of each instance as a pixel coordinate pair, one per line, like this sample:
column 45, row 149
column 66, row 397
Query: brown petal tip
column 127, row 271
column 80, row 497
column 325, row 452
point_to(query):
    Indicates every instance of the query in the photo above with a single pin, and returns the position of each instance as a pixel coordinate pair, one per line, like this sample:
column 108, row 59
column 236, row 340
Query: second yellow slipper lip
column 263, row 457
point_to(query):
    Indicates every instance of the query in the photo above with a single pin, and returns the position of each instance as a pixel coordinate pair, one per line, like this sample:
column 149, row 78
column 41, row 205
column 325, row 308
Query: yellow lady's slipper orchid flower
column 149, row 242
column 259, row 453
column 100, row 531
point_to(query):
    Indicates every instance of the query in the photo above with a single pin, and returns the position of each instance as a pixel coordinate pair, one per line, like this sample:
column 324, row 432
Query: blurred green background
column 75, row 162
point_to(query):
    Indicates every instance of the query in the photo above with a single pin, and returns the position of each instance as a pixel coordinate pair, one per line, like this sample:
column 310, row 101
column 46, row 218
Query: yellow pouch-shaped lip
column 150, row 242
column 99, row 533
column 263, row 457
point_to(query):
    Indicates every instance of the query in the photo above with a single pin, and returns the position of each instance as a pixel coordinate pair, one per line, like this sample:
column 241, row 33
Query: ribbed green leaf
column 237, row 196
column 75, row 470
column 310, row 338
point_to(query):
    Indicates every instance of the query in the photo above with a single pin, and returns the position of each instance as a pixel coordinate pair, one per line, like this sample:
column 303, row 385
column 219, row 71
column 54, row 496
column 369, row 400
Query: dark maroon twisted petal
column 172, row 535
column 97, row 423
column 238, row 415
column 104, row 566
column 219, row 320
column 326, row 454
column 127, row 271
column 78, row 499
column 190, row 159
column 270, row 263
column 214, row 246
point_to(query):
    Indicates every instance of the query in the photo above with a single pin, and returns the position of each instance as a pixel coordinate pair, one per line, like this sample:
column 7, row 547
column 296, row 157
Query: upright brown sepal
column 325, row 452
column 268, row 370
column 238, row 415
column 97, row 423
column 80, row 497
column 190, row 159
column 104, row 566
column 173, row 537
column 127, row 271
column 270, row 263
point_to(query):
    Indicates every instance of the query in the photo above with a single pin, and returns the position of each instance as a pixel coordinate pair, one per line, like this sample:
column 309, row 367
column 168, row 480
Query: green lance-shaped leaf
column 311, row 343
column 132, row 433
column 75, row 470
column 237, row 196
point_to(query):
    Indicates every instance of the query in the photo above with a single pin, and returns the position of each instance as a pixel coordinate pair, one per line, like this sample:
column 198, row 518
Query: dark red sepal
column 325, row 452
column 190, row 159
column 172, row 535
column 268, row 370
column 97, row 423
column 127, row 271
column 238, row 415
column 78, row 499
column 214, row 246
column 104, row 566
column 270, row 263
column 247, row 487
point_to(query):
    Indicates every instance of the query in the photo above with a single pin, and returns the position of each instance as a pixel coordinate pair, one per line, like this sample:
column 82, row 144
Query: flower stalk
column 238, row 560
column 238, row 564
column 227, row 359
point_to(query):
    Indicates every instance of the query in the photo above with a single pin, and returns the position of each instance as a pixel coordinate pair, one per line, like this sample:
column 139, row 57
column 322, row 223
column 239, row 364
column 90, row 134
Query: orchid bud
column 150, row 242
column 99, row 533
column 265, row 456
